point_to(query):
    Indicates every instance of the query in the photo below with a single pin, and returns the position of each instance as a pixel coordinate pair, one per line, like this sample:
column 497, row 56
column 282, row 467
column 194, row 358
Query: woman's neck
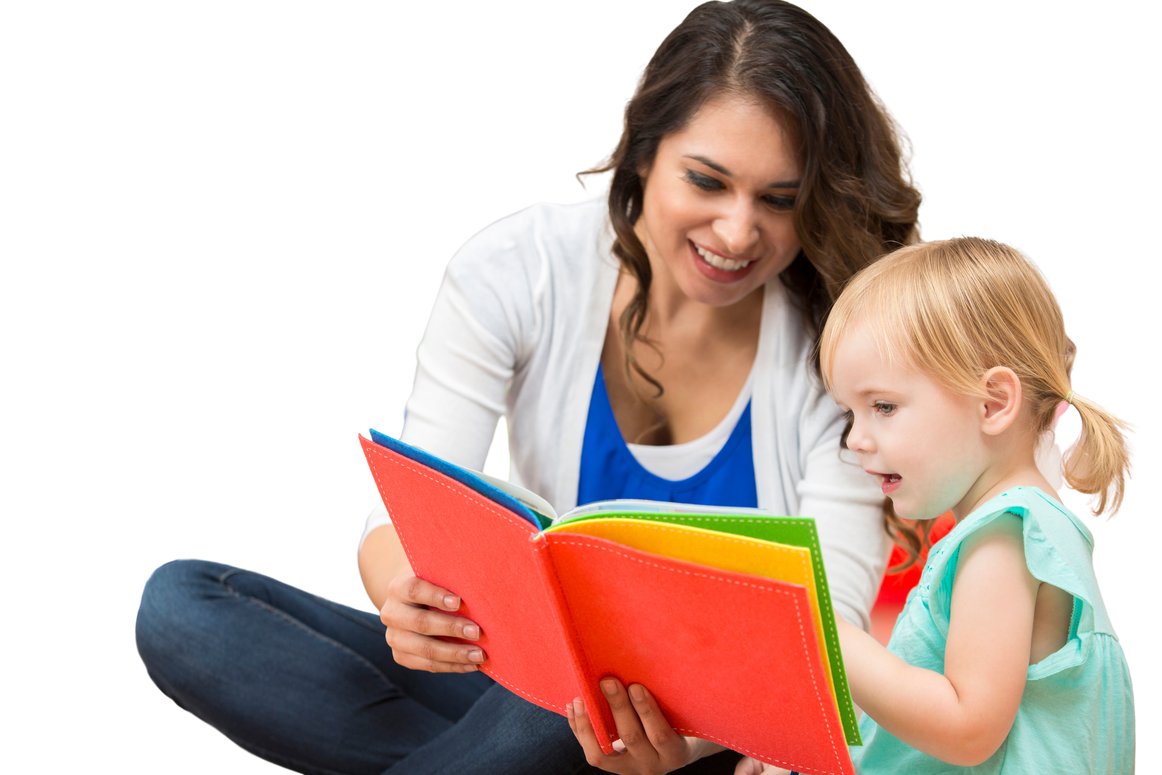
column 669, row 308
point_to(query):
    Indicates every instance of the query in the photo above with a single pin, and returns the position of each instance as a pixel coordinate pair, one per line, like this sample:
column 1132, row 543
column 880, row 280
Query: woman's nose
column 737, row 227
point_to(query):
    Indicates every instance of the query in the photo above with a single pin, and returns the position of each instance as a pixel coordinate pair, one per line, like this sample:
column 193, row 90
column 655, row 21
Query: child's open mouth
column 888, row 482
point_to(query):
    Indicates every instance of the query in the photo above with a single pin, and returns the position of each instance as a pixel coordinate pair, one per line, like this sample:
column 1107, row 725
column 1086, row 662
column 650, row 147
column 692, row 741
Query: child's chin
column 909, row 511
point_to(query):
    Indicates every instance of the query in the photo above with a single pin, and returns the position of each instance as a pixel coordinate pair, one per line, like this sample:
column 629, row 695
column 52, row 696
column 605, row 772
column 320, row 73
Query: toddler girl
column 951, row 359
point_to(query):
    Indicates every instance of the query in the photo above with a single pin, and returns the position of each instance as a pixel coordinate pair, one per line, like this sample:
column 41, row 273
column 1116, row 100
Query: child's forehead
column 868, row 358
column 870, row 338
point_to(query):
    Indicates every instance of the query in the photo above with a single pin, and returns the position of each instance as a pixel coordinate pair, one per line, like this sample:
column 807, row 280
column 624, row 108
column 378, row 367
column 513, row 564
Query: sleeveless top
column 1077, row 710
column 609, row 470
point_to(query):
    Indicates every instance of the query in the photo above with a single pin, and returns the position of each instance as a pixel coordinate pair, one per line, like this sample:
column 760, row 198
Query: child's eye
column 884, row 408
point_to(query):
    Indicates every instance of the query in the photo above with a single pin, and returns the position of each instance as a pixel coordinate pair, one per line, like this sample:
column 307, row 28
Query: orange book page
column 717, row 550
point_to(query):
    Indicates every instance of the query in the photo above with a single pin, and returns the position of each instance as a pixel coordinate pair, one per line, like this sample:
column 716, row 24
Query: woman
column 756, row 173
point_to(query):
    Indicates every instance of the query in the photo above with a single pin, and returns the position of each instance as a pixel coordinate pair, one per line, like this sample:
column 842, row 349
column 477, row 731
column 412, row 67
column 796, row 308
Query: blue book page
column 465, row 477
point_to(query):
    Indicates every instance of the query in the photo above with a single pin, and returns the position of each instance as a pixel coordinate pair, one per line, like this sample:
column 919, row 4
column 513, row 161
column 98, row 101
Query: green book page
column 793, row 531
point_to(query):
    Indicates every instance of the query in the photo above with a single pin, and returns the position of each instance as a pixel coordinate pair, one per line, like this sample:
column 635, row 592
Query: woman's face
column 716, row 214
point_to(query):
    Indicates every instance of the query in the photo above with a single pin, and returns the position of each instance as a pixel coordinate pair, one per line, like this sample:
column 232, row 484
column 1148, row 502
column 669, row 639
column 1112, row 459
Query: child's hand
column 749, row 766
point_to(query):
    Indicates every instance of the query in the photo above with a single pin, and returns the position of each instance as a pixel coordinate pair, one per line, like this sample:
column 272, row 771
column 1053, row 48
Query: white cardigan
column 517, row 330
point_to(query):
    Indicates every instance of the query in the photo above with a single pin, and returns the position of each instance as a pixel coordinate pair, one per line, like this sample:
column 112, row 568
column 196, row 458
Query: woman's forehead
column 739, row 137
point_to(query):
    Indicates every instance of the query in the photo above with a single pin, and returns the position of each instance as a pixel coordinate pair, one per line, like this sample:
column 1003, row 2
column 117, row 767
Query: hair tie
column 1069, row 397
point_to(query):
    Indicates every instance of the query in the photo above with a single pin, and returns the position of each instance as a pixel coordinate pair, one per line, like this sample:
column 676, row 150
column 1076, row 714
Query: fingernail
column 636, row 693
column 578, row 706
column 609, row 687
column 476, row 655
column 471, row 631
column 569, row 710
column 451, row 602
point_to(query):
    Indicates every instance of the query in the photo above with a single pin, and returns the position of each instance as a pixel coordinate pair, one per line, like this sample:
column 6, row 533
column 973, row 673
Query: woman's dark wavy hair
column 855, row 201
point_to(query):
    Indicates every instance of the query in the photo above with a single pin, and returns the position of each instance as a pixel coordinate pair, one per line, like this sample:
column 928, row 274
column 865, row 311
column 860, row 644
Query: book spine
column 586, row 682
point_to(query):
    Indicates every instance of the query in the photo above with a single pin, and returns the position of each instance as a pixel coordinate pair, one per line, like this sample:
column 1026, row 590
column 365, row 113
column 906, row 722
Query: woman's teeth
column 718, row 262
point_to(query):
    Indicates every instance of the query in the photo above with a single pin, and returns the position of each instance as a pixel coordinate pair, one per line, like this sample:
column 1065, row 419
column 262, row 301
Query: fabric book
column 723, row 614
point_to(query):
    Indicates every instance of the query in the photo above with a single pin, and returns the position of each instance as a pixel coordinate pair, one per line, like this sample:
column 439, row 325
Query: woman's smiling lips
column 718, row 267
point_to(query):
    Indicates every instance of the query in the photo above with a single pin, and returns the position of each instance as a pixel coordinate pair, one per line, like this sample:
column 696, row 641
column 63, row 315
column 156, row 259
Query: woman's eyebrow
column 724, row 171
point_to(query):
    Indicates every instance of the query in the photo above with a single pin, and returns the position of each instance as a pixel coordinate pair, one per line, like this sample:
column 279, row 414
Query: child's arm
column 963, row 716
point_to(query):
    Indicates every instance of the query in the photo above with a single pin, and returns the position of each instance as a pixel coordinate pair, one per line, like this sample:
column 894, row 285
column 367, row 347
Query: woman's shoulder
column 547, row 256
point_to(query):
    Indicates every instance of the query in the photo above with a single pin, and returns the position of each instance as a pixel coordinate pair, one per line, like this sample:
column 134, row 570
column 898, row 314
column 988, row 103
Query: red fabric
column 730, row 657
column 462, row 541
column 896, row 586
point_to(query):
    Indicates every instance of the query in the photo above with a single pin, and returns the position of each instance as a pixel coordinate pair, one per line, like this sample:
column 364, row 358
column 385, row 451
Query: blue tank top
column 609, row 470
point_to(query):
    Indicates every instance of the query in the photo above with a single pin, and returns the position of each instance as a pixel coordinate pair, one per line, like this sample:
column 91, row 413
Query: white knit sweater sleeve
column 482, row 324
column 848, row 509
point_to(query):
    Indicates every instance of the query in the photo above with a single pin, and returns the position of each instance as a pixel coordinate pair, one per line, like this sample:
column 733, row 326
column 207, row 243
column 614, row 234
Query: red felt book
column 745, row 660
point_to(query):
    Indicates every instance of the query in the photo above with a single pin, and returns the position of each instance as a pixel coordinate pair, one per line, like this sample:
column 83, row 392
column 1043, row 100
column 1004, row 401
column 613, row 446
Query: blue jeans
column 311, row 685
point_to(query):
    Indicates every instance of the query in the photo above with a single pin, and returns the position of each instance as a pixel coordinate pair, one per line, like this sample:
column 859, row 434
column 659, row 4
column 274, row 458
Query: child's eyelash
column 707, row 183
column 884, row 408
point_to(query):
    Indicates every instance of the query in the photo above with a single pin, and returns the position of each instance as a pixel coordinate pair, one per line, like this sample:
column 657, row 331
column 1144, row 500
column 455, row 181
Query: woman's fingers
column 419, row 652
column 629, row 725
column 415, row 591
column 648, row 738
column 413, row 628
column 749, row 766
column 583, row 730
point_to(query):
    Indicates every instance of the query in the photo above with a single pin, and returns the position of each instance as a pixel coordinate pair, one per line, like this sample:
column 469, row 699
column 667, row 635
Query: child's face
column 922, row 442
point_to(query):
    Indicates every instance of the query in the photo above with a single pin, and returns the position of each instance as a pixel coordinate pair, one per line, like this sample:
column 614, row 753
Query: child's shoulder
column 1058, row 547
column 1042, row 517
column 1042, row 524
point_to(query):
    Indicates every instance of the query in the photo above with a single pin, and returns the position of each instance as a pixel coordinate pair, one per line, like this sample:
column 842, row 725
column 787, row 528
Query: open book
column 723, row 614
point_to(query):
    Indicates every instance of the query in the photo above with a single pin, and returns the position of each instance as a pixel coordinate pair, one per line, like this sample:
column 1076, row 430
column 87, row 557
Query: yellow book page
column 717, row 550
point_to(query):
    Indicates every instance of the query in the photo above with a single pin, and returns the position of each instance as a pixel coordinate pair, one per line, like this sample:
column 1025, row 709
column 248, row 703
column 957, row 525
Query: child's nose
column 857, row 439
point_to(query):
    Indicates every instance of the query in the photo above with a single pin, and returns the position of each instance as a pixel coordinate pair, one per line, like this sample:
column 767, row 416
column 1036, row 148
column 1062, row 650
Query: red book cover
column 730, row 657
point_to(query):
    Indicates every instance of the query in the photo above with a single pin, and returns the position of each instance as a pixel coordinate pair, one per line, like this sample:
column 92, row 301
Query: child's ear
column 1000, row 409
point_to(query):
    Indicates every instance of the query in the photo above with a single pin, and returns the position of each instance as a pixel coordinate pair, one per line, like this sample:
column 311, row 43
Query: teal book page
column 791, row 531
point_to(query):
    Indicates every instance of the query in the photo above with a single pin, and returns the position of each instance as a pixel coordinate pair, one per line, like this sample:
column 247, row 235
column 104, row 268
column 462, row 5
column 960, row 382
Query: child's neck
column 1012, row 463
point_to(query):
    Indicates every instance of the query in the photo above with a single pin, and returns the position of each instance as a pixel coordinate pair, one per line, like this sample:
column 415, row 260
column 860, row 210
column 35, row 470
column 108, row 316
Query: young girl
column 951, row 359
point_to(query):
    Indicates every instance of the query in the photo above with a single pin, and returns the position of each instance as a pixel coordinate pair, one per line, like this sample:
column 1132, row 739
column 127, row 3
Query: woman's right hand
column 414, row 617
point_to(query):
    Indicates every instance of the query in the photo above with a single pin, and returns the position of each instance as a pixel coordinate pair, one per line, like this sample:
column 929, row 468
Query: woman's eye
column 885, row 409
column 710, row 184
column 703, row 182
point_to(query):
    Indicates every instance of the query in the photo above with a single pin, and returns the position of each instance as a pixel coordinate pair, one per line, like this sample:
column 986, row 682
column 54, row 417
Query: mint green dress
column 1077, row 712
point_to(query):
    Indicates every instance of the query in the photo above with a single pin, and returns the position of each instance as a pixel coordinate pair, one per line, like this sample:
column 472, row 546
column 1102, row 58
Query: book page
column 633, row 506
column 529, row 498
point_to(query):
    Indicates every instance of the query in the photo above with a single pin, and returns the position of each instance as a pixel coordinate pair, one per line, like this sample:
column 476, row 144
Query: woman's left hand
column 648, row 745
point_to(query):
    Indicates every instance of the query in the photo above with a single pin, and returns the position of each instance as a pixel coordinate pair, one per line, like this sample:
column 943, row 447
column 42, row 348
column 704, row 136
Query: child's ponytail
column 1099, row 460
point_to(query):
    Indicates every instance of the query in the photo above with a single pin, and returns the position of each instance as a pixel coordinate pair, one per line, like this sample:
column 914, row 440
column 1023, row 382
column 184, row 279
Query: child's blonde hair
column 955, row 309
